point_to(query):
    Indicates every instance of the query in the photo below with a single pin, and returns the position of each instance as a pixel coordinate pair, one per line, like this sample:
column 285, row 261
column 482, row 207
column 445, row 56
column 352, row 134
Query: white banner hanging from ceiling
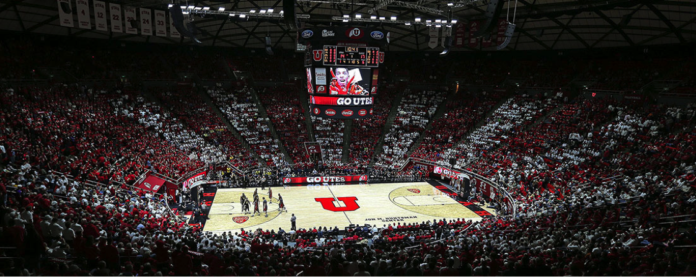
column 65, row 13
column 434, row 34
column 130, row 20
column 100, row 16
column 116, row 18
column 146, row 21
column 160, row 24
column 173, row 32
column 83, row 20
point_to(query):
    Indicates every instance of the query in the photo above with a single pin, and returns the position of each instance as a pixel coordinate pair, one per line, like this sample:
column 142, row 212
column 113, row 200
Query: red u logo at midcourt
column 329, row 205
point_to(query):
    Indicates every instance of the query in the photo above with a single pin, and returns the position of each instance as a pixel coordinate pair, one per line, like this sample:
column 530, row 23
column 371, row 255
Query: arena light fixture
column 393, row 17
column 252, row 11
column 438, row 20
column 382, row 18
column 191, row 7
column 270, row 10
column 438, row 26
column 450, row 4
column 346, row 16
column 221, row 9
column 358, row 16
column 231, row 14
column 198, row 8
column 183, row 7
column 206, row 8
column 373, row 17
column 345, row 20
column 262, row 11
column 170, row 5
column 453, row 21
column 242, row 16
column 418, row 19
column 407, row 23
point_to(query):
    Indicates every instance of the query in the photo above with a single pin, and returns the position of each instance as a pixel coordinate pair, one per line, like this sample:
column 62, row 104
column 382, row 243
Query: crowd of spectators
column 461, row 114
column 240, row 108
column 287, row 115
column 364, row 133
column 413, row 114
column 329, row 134
column 187, row 105
column 73, row 129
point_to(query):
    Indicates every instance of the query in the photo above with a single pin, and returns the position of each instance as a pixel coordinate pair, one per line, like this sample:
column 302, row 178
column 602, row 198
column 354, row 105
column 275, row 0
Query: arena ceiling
column 541, row 24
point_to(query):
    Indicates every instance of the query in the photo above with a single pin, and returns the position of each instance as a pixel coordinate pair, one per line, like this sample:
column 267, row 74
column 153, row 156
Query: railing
column 474, row 175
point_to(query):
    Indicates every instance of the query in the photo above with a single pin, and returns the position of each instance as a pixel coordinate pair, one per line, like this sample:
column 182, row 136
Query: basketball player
column 256, row 193
column 256, row 207
column 281, row 205
column 270, row 195
column 265, row 206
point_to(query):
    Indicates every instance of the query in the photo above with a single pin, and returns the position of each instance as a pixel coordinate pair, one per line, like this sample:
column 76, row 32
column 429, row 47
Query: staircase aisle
column 264, row 114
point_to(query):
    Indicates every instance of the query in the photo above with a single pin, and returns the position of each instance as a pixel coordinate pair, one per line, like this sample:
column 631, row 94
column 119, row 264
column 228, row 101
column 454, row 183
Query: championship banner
column 83, row 20
column 115, row 12
column 434, row 34
column 460, row 35
column 100, row 16
column 324, row 179
column 146, row 21
column 193, row 179
column 130, row 18
column 473, row 28
column 65, row 13
column 151, row 183
column 173, row 32
column 160, row 23
column 341, row 101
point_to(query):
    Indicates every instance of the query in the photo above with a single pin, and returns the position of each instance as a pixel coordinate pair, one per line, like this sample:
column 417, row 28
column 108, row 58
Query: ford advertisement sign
column 377, row 35
column 307, row 34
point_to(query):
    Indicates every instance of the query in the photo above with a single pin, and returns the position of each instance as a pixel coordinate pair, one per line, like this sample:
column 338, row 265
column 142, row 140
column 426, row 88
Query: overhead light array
column 253, row 13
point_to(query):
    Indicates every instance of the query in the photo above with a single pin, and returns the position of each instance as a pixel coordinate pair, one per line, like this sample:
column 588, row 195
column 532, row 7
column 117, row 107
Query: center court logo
column 328, row 203
column 240, row 219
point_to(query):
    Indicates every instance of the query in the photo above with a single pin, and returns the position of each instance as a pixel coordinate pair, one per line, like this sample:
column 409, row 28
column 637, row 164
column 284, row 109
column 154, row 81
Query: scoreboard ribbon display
column 342, row 65
column 324, row 179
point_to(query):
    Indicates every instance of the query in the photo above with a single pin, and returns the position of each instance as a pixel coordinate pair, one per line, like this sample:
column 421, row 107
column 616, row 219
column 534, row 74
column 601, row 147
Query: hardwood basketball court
column 337, row 205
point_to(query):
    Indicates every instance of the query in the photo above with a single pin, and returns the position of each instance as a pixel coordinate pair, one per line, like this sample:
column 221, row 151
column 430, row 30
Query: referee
column 293, row 219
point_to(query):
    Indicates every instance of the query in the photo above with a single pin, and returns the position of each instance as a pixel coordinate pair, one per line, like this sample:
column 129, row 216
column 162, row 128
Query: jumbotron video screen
column 342, row 75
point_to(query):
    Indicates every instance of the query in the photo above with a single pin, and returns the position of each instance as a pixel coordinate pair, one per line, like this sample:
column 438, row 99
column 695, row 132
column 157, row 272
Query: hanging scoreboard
column 342, row 70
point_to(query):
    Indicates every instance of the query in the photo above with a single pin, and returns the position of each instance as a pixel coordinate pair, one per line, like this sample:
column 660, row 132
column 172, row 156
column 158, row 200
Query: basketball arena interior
column 347, row 137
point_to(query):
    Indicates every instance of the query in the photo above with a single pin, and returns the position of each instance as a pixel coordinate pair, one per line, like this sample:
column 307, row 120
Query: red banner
column 460, row 35
column 324, row 179
column 188, row 182
column 151, row 183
